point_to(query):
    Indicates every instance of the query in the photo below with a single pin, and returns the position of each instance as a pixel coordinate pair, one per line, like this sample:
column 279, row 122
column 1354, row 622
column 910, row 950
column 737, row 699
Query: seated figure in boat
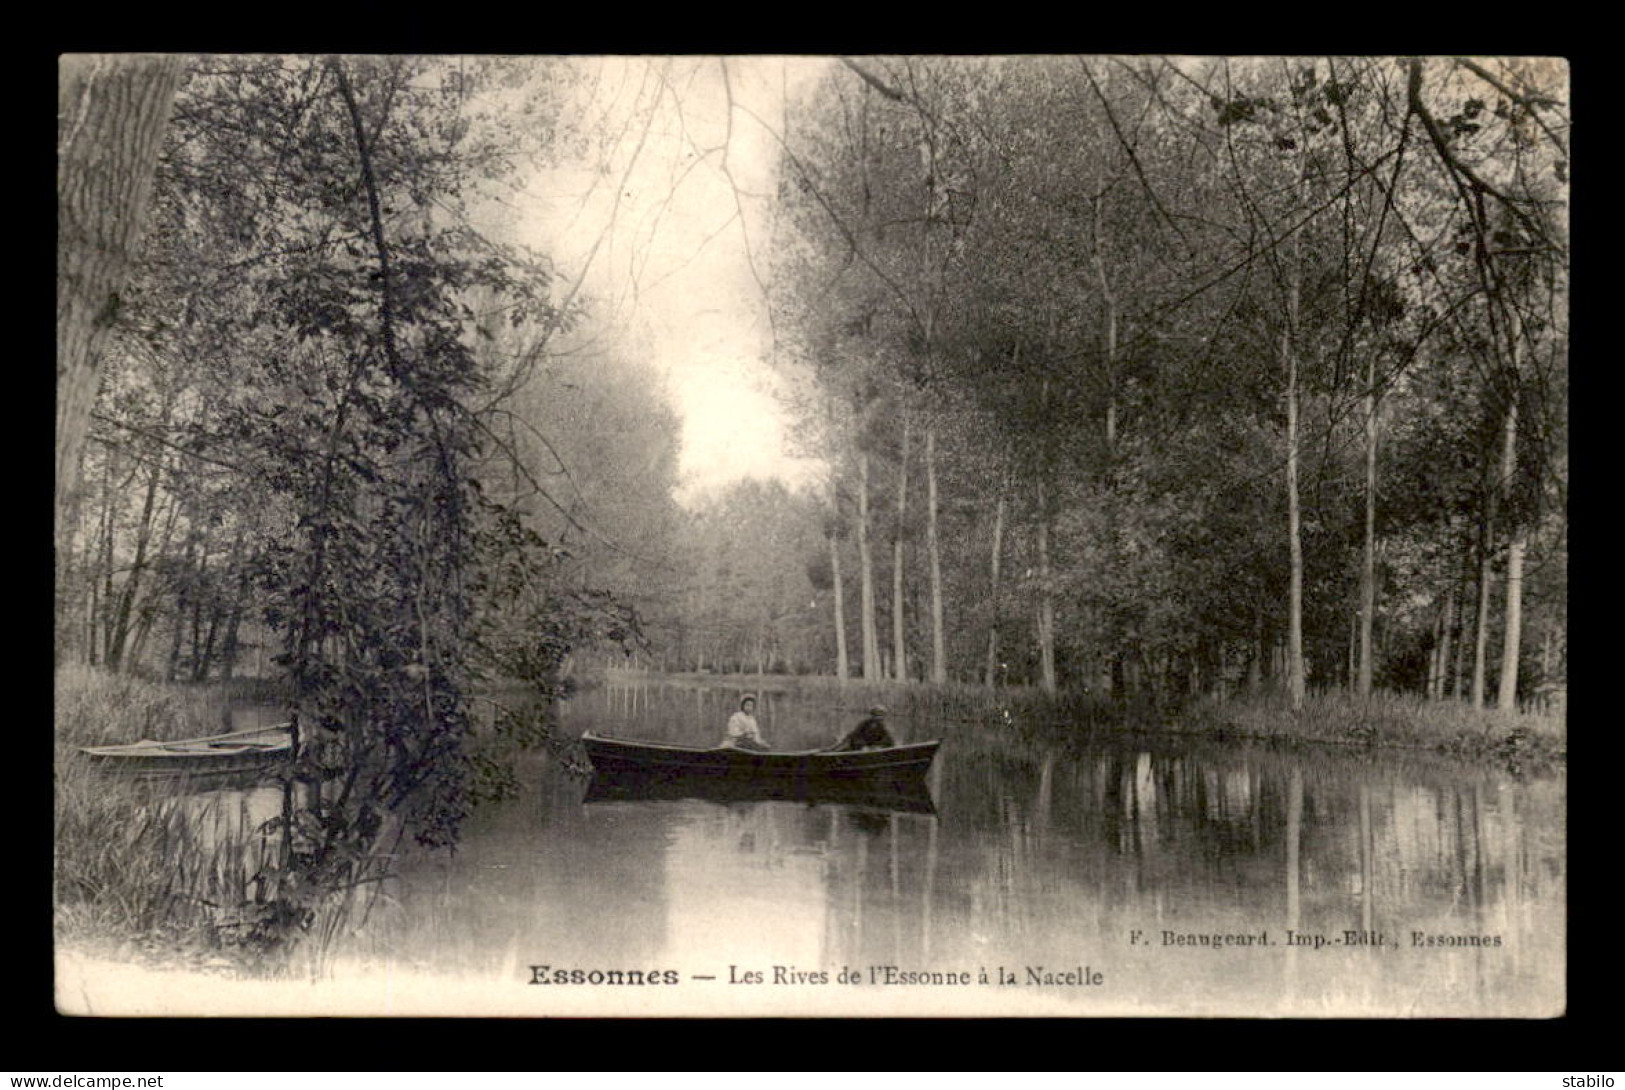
column 742, row 731
column 869, row 734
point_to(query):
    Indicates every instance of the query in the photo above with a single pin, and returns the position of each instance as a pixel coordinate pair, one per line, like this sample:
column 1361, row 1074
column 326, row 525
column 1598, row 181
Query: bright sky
column 676, row 258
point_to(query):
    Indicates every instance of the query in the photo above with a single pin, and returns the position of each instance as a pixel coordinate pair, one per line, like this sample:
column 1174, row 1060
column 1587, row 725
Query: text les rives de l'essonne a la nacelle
column 780, row 975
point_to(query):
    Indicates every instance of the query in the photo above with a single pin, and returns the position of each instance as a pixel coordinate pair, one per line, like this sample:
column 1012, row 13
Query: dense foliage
column 1171, row 324
column 297, row 393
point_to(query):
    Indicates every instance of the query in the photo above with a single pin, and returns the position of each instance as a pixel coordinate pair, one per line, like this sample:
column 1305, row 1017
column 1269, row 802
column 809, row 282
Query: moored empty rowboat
column 617, row 759
column 242, row 751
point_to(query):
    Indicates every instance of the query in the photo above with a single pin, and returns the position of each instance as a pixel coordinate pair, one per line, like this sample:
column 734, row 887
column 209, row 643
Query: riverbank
column 1383, row 720
column 146, row 872
column 137, row 867
column 1518, row 740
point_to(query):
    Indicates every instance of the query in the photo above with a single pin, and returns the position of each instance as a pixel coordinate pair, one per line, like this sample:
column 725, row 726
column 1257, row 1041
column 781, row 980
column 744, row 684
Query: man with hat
column 869, row 734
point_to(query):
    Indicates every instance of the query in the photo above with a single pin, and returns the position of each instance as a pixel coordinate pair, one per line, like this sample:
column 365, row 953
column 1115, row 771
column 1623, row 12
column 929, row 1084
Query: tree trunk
column 150, row 608
column 939, row 639
column 1481, row 636
column 100, row 576
column 996, row 591
column 1354, row 651
column 1507, row 698
column 91, row 605
column 1458, row 670
column 1109, row 306
column 205, row 660
column 1258, row 668
column 1430, row 684
column 200, row 600
column 132, row 584
column 1294, row 827
column 898, row 625
column 182, row 598
column 842, row 670
column 1046, row 600
column 1294, row 663
column 1368, row 565
column 866, row 573
column 1447, row 646
column 221, row 609
column 111, row 114
column 230, row 650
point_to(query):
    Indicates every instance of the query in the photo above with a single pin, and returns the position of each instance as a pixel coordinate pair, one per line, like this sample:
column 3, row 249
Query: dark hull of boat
column 902, row 796
column 616, row 760
column 238, row 755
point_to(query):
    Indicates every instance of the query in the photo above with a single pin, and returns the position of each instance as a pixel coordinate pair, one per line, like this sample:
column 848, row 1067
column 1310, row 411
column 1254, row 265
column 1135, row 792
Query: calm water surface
column 1107, row 876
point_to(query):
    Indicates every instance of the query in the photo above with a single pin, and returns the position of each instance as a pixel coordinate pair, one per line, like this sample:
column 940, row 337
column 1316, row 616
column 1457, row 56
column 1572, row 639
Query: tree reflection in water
column 1035, row 854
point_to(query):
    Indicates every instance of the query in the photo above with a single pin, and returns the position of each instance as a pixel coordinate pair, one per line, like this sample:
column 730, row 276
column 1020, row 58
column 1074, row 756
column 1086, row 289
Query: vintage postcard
column 883, row 536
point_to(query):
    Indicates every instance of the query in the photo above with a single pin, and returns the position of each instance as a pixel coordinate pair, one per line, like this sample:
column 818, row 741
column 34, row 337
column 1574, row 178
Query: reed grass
column 94, row 707
column 142, row 866
column 1385, row 719
column 1336, row 716
column 154, row 871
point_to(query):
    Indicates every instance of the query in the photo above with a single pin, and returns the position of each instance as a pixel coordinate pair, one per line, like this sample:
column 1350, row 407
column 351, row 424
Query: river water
column 1047, row 874
column 1124, row 875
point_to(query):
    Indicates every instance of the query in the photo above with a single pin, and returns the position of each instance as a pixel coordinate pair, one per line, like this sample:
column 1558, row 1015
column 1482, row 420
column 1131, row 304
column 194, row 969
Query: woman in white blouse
column 742, row 732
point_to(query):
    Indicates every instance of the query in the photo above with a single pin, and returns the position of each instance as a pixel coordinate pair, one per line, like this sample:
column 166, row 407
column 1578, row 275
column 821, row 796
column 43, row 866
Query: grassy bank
column 1336, row 717
column 1394, row 720
column 95, row 708
column 139, row 867
column 155, row 872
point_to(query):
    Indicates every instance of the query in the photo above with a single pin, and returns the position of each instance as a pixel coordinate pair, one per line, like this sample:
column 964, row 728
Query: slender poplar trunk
column 1353, row 678
column 1109, row 306
column 898, row 625
column 1046, row 594
column 1430, row 684
column 842, row 670
column 1446, row 647
column 996, row 590
column 1295, row 670
column 1368, row 567
column 1459, row 668
column 1108, row 298
column 1511, row 641
column 866, row 571
column 1255, row 661
column 1294, row 824
column 1481, row 636
column 1046, row 599
column 939, row 639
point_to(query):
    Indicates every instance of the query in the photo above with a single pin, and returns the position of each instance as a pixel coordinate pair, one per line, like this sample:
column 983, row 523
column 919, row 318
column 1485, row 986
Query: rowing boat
column 256, row 750
column 617, row 760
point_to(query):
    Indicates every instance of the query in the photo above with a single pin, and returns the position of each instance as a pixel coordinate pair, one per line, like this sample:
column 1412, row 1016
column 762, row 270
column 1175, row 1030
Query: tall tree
column 111, row 117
